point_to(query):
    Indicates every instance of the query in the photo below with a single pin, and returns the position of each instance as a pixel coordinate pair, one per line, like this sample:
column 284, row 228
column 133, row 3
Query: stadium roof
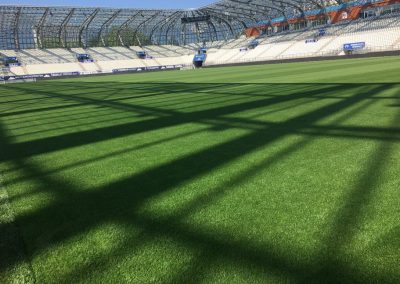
column 45, row 27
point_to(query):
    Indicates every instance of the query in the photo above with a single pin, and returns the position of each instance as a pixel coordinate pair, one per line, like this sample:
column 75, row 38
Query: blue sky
column 115, row 3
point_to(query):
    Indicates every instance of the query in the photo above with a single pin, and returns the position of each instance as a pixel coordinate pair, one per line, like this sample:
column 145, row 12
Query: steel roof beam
column 232, row 13
column 125, row 25
column 106, row 25
column 225, row 9
column 157, row 25
column 16, row 28
column 277, row 8
column 84, row 26
column 224, row 21
column 179, row 14
column 62, row 31
column 39, row 28
column 77, row 25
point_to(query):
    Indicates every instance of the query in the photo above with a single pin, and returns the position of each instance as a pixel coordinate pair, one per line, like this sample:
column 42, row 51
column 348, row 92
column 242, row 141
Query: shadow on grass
column 171, row 118
column 117, row 201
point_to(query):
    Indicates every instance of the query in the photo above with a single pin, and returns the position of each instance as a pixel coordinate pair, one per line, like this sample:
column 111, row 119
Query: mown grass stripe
column 12, row 246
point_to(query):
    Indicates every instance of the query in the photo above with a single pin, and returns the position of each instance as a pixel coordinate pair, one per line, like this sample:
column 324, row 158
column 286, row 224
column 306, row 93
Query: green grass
column 258, row 174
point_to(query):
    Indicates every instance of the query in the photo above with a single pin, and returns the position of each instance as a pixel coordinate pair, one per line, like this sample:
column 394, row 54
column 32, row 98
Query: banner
column 353, row 46
column 61, row 74
column 149, row 68
column 311, row 40
column 199, row 58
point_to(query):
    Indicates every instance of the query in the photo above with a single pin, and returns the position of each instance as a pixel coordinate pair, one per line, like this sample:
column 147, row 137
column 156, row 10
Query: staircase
column 98, row 66
column 82, row 66
column 25, row 69
column 286, row 49
column 396, row 43
column 327, row 44
column 5, row 71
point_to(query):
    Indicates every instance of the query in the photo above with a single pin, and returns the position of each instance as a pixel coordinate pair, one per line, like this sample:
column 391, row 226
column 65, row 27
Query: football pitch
column 253, row 174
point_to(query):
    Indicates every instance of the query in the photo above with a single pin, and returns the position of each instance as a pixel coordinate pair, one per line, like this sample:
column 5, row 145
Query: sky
column 164, row 4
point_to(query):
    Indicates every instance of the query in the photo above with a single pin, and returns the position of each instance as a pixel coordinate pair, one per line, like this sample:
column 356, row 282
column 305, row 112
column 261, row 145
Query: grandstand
column 47, row 40
column 236, row 170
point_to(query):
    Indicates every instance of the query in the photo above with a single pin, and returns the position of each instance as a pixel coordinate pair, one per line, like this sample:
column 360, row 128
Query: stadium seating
column 5, row 71
column 167, row 51
column 378, row 33
column 111, row 53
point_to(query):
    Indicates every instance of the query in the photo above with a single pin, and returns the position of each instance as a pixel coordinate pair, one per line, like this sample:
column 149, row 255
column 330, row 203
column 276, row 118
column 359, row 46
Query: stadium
column 243, row 141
